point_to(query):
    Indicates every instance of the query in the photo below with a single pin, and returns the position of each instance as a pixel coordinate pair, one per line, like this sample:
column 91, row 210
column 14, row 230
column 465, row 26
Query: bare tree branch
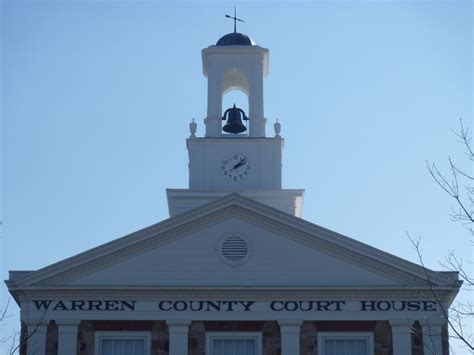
column 15, row 341
column 29, row 334
column 453, row 324
column 465, row 139
column 451, row 186
column 457, row 184
column 453, row 263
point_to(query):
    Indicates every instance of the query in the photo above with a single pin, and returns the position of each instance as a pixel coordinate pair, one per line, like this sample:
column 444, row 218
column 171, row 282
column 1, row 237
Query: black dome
column 235, row 39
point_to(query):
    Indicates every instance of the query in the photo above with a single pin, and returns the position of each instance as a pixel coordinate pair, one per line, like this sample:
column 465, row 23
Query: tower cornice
column 234, row 51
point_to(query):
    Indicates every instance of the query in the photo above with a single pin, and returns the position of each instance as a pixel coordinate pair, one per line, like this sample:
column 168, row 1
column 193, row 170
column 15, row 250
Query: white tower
column 248, row 163
column 235, row 63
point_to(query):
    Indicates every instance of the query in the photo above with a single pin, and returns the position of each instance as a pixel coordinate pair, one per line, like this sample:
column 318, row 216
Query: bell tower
column 233, row 156
column 235, row 63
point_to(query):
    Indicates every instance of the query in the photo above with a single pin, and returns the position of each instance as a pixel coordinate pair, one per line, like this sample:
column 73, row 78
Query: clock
column 235, row 167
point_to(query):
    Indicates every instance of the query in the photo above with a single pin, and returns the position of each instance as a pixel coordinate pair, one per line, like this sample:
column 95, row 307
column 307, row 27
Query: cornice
column 236, row 294
column 233, row 205
column 347, row 248
column 330, row 248
column 126, row 252
column 231, row 140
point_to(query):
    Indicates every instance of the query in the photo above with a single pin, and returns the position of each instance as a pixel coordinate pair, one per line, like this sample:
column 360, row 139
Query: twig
column 416, row 246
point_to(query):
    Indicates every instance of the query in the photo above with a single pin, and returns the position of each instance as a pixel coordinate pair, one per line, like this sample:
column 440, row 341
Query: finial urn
column 277, row 128
column 193, row 128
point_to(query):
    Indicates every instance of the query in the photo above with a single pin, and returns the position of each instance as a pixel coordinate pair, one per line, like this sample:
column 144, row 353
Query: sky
column 96, row 98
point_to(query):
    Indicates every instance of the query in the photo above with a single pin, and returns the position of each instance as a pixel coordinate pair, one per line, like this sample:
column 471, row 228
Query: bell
column 234, row 123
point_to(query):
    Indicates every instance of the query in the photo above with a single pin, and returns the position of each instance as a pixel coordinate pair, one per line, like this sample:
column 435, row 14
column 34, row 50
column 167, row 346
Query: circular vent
column 234, row 249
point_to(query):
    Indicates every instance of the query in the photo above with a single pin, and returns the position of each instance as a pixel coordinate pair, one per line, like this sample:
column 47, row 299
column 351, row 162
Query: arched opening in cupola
column 235, row 92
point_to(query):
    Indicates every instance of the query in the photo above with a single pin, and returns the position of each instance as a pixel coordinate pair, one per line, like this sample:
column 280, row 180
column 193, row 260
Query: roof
column 57, row 276
column 235, row 39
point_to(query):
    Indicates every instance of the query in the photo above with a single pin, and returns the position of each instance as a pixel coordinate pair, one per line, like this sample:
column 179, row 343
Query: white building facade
column 235, row 270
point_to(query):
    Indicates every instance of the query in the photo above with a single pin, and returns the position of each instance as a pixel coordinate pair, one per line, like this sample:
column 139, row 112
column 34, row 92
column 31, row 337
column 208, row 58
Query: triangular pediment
column 186, row 251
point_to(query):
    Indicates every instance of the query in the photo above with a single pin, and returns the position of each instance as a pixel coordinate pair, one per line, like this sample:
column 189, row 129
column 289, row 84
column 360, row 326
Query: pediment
column 183, row 251
column 233, row 253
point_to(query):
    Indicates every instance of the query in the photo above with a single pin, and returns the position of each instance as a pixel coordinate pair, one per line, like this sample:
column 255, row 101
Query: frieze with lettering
column 235, row 306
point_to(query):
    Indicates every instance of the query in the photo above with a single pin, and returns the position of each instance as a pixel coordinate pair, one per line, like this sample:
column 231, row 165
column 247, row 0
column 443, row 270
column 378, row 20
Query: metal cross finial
column 235, row 19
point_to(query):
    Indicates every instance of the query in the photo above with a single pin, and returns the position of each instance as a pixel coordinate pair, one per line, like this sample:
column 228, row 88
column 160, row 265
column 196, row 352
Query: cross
column 235, row 20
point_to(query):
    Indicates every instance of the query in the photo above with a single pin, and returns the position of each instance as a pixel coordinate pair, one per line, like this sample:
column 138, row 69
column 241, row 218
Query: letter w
column 42, row 304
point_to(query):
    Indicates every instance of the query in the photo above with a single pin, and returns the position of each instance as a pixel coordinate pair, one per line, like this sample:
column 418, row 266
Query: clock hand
column 240, row 163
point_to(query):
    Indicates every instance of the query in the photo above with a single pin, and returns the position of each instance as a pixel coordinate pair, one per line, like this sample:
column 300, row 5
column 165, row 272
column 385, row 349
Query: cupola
column 235, row 155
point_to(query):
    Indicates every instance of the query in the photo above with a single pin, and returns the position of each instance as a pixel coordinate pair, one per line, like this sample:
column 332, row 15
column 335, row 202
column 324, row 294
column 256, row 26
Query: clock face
column 235, row 167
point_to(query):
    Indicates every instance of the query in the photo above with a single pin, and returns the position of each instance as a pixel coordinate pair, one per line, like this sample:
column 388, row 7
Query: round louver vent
column 234, row 249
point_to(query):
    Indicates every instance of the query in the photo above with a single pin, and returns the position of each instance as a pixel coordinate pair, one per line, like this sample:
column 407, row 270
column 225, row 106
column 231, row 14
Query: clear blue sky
column 97, row 97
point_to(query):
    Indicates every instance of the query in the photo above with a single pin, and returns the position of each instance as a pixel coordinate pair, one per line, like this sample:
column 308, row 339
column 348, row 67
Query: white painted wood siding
column 193, row 261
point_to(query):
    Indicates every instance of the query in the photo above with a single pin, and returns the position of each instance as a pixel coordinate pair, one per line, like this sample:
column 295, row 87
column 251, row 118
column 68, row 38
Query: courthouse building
column 235, row 270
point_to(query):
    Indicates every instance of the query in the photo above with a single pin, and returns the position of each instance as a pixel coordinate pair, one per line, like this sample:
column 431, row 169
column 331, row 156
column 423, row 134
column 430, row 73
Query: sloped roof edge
column 230, row 206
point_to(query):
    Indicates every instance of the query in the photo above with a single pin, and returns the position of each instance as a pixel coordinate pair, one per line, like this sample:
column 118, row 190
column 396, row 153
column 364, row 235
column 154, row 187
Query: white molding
column 286, row 200
column 146, row 336
column 178, row 322
column 234, row 50
column 290, row 322
column 234, row 335
column 216, row 293
column 400, row 323
column 369, row 336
